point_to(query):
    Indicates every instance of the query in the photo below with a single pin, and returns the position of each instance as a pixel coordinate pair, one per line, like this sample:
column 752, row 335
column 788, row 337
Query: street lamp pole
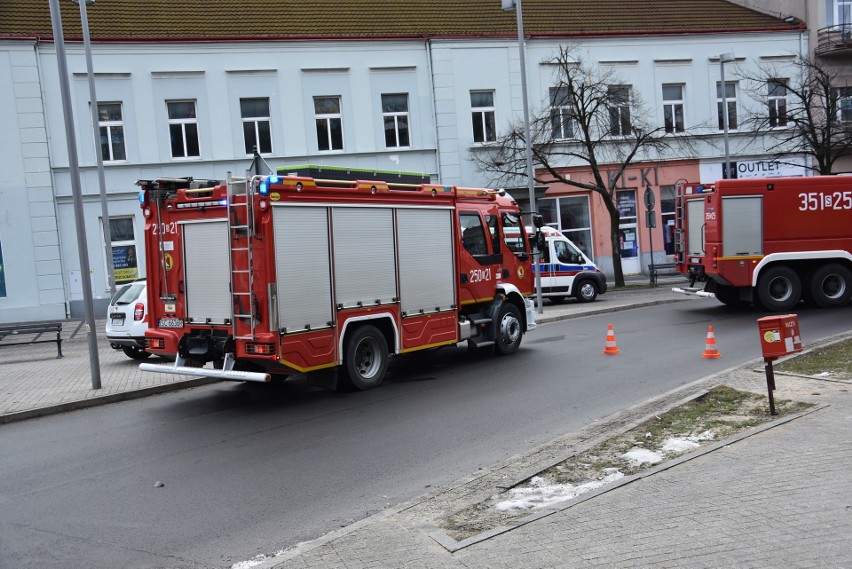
column 74, row 167
column 87, row 44
column 723, row 59
column 507, row 6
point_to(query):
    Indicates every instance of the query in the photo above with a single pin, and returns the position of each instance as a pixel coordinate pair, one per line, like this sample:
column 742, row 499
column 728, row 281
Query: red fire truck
column 270, row 276
column 767, row 241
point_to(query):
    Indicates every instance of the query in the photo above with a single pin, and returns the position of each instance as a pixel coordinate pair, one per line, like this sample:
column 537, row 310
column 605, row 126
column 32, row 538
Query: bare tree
column 802, row 114
column 593, row 120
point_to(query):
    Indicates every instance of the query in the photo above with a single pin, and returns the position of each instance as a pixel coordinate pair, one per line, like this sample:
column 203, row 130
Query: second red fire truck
column 273, row 276
column 767, row 241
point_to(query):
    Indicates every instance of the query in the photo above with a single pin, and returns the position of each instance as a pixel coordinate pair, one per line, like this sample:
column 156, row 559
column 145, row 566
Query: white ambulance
column 565, row 270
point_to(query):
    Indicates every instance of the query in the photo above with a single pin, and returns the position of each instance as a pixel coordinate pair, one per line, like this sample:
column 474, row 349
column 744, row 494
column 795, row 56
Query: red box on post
column 779, row 335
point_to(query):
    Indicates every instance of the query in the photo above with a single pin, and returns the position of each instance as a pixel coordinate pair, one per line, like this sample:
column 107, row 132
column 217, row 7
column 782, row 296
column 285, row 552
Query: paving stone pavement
column 781, row 497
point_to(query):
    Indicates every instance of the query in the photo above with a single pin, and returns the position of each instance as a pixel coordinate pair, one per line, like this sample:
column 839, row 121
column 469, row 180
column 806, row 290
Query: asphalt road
column 247, row 470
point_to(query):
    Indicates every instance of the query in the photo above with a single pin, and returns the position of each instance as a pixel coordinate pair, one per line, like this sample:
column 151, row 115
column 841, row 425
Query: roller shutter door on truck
column 742, row 226
column 207, row 273
column 425, row 260
column 695, row 227
column 302, row 267
column 364, row 256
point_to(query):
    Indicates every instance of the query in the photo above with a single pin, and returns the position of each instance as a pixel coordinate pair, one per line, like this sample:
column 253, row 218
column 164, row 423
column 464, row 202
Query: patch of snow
column 679, row 445
column 541, row 494
column 823, row 374
column 639, row 456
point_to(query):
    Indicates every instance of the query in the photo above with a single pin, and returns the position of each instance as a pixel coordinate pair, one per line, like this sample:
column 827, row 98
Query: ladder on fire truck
column 679, row 243
column 240, row 232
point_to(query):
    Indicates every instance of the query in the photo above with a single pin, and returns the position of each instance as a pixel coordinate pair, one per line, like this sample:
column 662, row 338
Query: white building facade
column 198, row 109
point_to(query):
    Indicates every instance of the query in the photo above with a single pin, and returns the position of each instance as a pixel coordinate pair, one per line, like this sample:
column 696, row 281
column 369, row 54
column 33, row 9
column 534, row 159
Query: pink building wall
column 637, row 177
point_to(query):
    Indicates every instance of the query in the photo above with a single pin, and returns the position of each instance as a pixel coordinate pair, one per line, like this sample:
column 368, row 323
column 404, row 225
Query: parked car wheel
column 135, row 353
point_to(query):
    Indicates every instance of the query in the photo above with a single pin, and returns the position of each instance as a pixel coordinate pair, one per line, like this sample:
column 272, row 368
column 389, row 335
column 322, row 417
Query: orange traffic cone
column 610, row 347
column 710, row 349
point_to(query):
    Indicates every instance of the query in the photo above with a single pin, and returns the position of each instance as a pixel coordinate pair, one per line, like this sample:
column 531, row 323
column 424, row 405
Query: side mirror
column 538, row 220
column 540, row 242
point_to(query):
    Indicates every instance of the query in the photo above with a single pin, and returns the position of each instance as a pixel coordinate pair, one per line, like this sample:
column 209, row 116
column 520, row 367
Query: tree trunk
column 614, row 222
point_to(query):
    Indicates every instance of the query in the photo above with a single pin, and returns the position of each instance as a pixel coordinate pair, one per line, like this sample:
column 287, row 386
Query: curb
column 104, row 399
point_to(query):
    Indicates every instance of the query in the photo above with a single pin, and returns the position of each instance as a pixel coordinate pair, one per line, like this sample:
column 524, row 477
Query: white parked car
column 127, row 319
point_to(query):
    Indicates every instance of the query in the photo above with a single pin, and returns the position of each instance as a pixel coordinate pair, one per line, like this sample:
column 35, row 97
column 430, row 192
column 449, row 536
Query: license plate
column 117, row 318
column 170, row 323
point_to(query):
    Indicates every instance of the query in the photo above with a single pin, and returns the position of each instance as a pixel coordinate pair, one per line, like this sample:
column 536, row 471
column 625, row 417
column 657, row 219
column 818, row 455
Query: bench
column 34, row 331
column 657, row 267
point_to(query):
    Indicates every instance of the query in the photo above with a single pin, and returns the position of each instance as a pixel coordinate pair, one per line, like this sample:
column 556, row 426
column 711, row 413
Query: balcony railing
column 834, row 40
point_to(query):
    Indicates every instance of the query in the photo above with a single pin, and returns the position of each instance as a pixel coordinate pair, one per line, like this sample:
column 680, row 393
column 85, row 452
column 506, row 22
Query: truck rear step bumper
column 231, row 375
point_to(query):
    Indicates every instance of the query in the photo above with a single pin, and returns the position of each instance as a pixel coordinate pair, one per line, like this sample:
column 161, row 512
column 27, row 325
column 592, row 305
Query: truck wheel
column 365, row 358
column 135, row 353
column 830, row 286
column 509, row 330
column 779, row 289
column 586, row 292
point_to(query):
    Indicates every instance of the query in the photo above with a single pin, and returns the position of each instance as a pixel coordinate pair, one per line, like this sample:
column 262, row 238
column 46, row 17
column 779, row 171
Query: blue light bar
column 264, row 188
column 273, row 179
column 141, row 197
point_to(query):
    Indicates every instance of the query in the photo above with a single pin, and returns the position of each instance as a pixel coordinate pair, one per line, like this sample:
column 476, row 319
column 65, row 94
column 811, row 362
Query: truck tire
column 509, row 330
column 586, row 291
column 830, row 286
column 135, row 353
column 365, row 358
column 779, row 289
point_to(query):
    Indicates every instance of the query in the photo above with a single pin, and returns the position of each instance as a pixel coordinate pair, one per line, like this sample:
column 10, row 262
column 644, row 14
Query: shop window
column 570, row 214
column 667, row 215
column 125, row 261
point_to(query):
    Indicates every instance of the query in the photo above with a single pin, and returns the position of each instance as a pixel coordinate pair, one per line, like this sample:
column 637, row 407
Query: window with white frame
column 482, row 114
column 844, row 104
column 726, row 102
column 183, row 129
column 561, row 117
column 841, row 12
column 257, row 131
column 111, row 128
column 618, row 102
column 122, row 245
column 673, row 107
column 395, row 117
column 777, row 100
column 329, row 121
